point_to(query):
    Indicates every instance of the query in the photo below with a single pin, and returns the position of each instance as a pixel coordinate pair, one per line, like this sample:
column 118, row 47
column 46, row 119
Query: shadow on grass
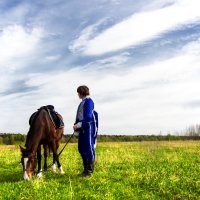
column 10, row 176
column 11, row 172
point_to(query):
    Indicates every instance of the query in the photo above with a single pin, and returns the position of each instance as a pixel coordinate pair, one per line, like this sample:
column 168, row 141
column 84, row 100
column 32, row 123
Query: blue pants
column 86, row 142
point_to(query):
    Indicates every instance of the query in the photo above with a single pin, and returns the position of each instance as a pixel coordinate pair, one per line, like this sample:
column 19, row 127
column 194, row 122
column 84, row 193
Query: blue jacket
column 85, row 112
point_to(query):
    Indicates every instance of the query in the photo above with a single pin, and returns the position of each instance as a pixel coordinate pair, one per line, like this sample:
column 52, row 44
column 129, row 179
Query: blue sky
column 141, row 60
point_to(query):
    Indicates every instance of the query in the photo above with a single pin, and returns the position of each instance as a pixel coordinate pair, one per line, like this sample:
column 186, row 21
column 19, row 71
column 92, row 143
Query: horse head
column 28, row 161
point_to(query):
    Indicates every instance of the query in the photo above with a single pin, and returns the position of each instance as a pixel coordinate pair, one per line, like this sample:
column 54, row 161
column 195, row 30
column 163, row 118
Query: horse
column 42, row 132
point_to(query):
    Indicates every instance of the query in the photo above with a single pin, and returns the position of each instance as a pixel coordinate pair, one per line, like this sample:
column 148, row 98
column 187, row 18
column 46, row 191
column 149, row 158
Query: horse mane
column 36, row 116
column 32, row 124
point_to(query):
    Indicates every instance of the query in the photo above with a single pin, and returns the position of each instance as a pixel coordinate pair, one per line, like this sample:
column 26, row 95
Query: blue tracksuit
column 86, row 138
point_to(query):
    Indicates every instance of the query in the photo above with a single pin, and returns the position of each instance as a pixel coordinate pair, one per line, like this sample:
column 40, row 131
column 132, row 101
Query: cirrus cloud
column 138, row 28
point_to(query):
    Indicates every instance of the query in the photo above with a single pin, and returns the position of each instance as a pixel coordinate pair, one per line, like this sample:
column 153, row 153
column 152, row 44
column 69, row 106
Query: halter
column 31, row 169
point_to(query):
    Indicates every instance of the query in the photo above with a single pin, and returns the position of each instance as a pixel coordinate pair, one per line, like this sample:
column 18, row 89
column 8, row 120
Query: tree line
column 10, row 138
column 191, row 133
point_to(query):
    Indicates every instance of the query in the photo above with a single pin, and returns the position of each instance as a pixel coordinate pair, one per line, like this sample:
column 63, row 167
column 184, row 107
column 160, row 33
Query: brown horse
column 42, row 132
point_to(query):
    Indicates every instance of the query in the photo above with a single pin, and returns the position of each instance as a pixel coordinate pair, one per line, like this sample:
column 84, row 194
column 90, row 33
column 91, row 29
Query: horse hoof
column 54, row 168
column 39, row 175
column 61, row 170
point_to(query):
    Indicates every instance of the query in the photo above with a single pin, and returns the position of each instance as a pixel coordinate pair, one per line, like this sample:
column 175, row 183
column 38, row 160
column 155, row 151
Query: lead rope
column 63, row 148
column 66, row 143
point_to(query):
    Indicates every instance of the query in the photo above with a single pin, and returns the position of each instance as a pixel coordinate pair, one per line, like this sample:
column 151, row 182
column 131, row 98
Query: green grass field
column 137, row 170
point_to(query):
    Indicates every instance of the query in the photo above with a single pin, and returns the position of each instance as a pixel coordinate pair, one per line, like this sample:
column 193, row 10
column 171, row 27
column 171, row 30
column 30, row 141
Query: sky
column 140, row 59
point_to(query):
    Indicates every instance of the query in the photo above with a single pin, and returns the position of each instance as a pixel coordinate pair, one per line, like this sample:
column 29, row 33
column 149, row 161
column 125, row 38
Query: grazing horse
column 43, row 131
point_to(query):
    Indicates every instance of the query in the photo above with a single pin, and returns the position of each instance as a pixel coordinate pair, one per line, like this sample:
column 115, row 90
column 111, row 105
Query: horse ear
column 21, row 148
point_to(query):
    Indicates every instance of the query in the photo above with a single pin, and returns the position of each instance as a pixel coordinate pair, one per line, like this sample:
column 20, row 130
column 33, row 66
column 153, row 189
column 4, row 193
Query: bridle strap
column 32, row 169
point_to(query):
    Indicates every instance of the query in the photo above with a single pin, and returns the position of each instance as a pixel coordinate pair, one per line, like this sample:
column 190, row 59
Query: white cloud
column 18, row 47
column 16, row 44
column 193, row 48
column 143, row 100
column 85, row 35
column 138, row 28
column 110, row 63
column 52, row 58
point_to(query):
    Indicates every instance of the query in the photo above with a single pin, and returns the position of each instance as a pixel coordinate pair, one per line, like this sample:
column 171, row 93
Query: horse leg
column 39, row 158
column 60, row 168
column 56, row 159
column 45, row 156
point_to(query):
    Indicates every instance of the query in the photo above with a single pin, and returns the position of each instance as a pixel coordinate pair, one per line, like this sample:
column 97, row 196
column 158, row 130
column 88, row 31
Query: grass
column 137, row 170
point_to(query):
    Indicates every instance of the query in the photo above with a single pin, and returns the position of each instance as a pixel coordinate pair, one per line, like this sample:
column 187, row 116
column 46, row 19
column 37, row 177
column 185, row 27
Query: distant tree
column 11, row 139
column 1, row 140
column 193, row 130
column 6, row 140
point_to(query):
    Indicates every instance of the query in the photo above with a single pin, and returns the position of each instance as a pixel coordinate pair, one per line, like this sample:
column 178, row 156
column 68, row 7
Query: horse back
column 43, row 129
